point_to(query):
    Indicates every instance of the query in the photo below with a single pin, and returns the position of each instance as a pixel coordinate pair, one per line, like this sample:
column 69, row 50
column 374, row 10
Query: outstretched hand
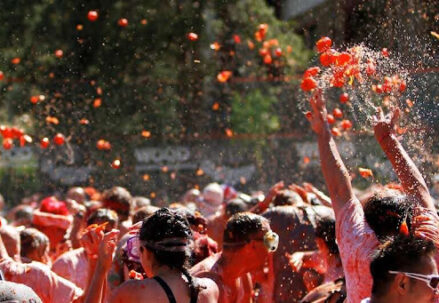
column 295, row 260
column 426, row 225
column 106, row 249
column 384, row 125
column 318, row 114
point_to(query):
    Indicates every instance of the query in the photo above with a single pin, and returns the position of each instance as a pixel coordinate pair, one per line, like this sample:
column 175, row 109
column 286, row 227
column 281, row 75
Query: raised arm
column 407, row 172
column 334, row 171
column 262, row 206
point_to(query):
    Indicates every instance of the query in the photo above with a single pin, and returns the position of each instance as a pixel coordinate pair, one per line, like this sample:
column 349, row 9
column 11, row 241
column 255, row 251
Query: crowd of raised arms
column 295, row 244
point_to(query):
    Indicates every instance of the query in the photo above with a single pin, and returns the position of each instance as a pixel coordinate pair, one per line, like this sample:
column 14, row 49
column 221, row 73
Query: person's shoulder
column 133, row 288
column 210, row 290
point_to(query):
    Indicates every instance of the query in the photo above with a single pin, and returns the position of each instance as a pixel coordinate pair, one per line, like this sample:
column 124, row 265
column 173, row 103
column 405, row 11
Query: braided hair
column 156, row 235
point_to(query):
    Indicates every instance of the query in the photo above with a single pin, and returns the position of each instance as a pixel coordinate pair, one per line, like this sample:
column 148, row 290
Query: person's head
column 191, row 195
column 392, row 265
column 249, row 237
column 213, row 194
column 165, row 240
column 143, row 213
column 140, row 202
column 14, row 292
column 235, row 206
column 102, row 216
column 78, row 194
column 287, row 197
column 34, row 245
column 118, row 199
column 325, row 234
column 23, row 216
column 386, row 214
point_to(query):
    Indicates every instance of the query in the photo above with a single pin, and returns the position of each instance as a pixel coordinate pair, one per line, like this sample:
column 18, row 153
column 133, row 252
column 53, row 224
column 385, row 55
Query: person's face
column 419, row 291
column 256, row 252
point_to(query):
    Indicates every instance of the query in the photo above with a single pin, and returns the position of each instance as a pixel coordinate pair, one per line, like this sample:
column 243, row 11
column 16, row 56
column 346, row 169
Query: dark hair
column 399, row 254
column 165, row 224
column 242, row 227
column 235, row 206
column 325, row 230
column 32, row 239
column 103, row 215
column 118, row 199
column 386, row 214
column 287, row 197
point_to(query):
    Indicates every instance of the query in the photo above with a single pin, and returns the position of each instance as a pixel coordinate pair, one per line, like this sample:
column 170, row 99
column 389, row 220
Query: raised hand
column 106, row 249
column 384, row 125
column 426, row 225
column 295, row 260
column 318, row 114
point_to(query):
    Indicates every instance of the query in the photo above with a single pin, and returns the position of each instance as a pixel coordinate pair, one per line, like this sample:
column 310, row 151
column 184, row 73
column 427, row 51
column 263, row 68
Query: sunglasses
column 431, row 280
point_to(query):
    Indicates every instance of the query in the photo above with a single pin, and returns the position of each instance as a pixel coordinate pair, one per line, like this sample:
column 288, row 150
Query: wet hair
column 386, row 214
column 31, row 240
column 166, row 224
column 325, row 230
column 287, row 197
column 242, row 227
column 235, row 206
column 143, row 213
column 103, row 215
column 399, row 254
column 118, row 199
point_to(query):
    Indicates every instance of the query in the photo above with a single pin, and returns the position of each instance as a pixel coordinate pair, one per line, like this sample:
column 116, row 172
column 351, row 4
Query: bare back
column 149, row 290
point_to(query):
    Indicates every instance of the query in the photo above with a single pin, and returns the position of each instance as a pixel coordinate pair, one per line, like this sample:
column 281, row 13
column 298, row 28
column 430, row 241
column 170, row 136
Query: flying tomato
column 308, row 84
column 344, row 98
column 123, row 22
column 192, row 37
column 59, row 139
column 44, row 143
column 92, row 16
column 323, row 44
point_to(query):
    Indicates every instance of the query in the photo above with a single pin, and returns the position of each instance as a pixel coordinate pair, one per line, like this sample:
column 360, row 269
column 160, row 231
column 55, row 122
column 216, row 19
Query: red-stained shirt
column 50, row 287
column 73, row 266
column 356, row 242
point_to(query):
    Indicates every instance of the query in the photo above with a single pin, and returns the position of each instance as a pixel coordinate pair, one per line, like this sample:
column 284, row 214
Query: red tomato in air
column 325, row 59
column 44, row 143
column 192, row 37
column 34, row 99
column 59, row 53
column 379, row 89
column 262, row 31
column 402, row 86
column 323, row 44
column 385, row 52
column 311, row 72
column 338, row 79
column 268, row 59
column 370, row 69
column 2, row 76
column 337, row 113
column 6, row 132
column 8, row 143
column 16, row 132
column 330, row 118
column 123, row 22
column 92, row 16
column 335, row 132
column 59, row 139
column 344, row 98
column 115, row 164
column 343, row 59
column 346, row 124
column 237, row 39
column 278, row 52
column 308, row 84
column 263, row 52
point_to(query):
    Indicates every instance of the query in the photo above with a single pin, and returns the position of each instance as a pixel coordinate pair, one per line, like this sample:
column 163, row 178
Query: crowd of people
column 294, row 244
